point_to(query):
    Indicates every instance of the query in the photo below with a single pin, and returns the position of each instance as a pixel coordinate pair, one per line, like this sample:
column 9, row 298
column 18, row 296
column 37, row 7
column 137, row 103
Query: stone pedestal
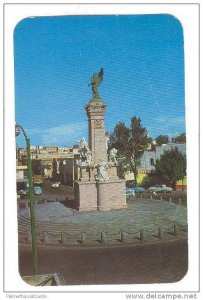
column 111, row 195
column 112, row 172
column 99, row 195
column 86, row 195
column 102, row 196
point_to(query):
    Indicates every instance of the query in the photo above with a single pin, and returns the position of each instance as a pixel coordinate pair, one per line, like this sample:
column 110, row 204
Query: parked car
column 23, row 193
column 136, row 188
column 129, row 192
column 139, row 189
column 155, row 188
column 37, row 190
column 55, row 184
column 160, row 188
column 166, row 189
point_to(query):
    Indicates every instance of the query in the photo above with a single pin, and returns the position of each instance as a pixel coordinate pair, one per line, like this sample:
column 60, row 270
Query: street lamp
column 18, row 129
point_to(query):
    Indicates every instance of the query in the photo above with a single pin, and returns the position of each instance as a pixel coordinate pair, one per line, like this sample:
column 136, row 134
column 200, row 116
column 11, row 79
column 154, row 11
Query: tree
column 171, row 166
column 162, row 139
column 131, row 143
column 179, row 139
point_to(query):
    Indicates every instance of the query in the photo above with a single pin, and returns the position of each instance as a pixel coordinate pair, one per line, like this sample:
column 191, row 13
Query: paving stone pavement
column 148, row 214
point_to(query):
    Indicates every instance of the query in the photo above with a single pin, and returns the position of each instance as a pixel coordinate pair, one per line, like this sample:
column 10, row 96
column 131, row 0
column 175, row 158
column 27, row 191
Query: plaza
column 54, row 220
column 106, row 247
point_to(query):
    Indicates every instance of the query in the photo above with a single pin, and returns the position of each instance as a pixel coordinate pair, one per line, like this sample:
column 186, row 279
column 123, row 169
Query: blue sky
column 55, row 57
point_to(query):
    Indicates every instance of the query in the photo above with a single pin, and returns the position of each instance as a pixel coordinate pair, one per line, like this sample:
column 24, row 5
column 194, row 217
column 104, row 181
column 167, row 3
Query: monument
column 97, row 186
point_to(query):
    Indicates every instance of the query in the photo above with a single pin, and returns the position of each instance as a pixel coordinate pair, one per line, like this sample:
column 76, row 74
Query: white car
column 129, row 192
column 22, row 194
column 161, row 188
column 55, row 184
column 166, row 189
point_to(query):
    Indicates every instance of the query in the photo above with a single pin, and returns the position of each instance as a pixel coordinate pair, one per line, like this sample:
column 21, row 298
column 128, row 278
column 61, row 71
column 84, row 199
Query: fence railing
column 104, row 238
column 157, row 197
column 87, row 237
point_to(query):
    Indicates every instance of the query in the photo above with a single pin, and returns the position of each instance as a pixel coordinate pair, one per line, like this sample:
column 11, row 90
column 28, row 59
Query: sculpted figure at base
column 102, row 174
column 112, row 156
column 107, row 142
column 83, row 143
column 88, row 157
column 85, row 153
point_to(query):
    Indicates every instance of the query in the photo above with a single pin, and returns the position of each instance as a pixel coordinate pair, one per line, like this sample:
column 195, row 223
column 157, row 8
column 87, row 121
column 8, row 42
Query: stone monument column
column 98, row 186
column 97, row 138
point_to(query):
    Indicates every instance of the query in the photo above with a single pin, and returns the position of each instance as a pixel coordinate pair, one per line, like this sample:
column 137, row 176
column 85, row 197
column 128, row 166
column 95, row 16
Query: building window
column 152, row 162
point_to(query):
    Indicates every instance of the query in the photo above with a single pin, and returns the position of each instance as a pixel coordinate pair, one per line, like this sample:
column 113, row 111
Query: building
column 148, row 159
column 68, row 169
column 46, row 161
column 146, row 170
column 22, row 181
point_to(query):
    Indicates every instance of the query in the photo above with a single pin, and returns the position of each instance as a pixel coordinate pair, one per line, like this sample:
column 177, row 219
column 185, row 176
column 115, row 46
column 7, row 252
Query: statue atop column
column 96, row 80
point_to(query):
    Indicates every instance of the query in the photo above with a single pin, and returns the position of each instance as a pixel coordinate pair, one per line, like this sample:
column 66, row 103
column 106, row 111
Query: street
column 51, row 193
column 159, row 262
column 64, row 192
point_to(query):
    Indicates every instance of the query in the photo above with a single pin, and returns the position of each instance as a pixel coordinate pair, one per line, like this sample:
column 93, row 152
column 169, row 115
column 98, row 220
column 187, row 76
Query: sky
column 55, row 57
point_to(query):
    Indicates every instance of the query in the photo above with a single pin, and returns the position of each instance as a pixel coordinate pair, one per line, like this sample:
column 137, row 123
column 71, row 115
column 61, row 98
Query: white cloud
column 169, row 125
column 59, row 135
column 171, row 120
